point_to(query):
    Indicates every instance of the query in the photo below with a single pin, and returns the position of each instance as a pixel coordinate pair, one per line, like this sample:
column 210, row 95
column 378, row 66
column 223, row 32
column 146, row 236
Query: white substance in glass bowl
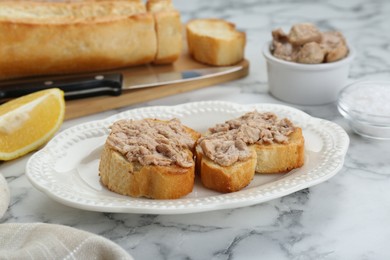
column 366, row 104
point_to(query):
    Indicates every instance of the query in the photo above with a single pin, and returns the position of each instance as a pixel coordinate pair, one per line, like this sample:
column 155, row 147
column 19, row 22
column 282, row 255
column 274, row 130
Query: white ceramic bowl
column 306, row 84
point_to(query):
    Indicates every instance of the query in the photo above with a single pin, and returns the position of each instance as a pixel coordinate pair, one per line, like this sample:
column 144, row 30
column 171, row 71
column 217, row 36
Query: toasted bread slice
column 154, row 181
column 225, row 178
column 215, row 42
column 168, row 30
column 279, row 158
column 265, row 158
column 135, row 180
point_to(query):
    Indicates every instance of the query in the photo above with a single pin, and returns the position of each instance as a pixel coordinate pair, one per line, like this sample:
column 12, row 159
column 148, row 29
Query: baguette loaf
column 215, row 42
column 149, row 158
column 229, row 154
column 40, row 38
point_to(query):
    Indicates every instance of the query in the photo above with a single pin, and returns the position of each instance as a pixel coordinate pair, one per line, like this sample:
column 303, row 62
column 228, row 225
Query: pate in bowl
column 307, row 69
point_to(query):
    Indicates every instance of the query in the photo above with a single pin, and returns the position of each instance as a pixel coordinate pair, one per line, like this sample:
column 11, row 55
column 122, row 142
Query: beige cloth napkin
column 50, row 241
column 4, row 196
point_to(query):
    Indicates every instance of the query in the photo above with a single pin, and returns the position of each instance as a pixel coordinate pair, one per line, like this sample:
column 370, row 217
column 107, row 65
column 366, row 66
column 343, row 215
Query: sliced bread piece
column 225, row 178
column 280, row 158
column 136, row 180
column 149, row 158
column 168, row 30
column 229, row 154
column 215, row 42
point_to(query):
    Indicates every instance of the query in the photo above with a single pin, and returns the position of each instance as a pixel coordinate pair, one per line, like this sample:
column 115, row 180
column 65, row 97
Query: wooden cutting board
column 87, row 106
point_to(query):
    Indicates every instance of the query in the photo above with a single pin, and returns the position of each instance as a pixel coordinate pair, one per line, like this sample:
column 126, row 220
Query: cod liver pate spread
column 152, row 142
column 228, row 142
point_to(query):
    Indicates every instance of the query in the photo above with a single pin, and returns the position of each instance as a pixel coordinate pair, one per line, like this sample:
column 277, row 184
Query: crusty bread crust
column 169, row 37
column 171, row 182
column 132, row 179
column 266, row 159
column 77, row 53
column 279, row 158
column 215, row 42
column 150, row 181
column 168, row 29
column 225, row 179
column 42, row 38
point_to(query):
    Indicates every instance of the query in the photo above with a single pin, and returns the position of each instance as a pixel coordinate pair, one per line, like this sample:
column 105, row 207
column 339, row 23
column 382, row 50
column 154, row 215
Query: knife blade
column 112, row 83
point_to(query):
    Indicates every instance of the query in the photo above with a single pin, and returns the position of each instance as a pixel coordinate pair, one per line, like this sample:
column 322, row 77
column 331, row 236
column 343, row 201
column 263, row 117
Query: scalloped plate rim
column 178, row 206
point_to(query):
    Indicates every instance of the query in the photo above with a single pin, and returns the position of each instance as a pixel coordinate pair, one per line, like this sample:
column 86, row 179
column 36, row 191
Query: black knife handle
column 74, row 86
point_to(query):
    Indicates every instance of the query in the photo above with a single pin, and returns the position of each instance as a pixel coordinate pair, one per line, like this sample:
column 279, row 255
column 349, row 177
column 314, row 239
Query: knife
column 81, row 86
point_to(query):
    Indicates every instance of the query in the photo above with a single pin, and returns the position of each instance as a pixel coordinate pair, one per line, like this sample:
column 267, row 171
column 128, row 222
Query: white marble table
column 346, row 217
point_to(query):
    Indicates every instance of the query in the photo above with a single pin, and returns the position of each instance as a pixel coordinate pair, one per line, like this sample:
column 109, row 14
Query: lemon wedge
column 28, row 122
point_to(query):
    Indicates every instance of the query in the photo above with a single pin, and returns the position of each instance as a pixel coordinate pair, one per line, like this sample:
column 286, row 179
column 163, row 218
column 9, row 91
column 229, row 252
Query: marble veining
column 346, row 217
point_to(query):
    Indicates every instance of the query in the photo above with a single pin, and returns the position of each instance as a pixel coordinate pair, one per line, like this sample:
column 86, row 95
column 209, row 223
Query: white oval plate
column 66, row 169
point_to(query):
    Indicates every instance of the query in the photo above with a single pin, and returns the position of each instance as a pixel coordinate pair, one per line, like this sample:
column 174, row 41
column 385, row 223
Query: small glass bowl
column 366, row 106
